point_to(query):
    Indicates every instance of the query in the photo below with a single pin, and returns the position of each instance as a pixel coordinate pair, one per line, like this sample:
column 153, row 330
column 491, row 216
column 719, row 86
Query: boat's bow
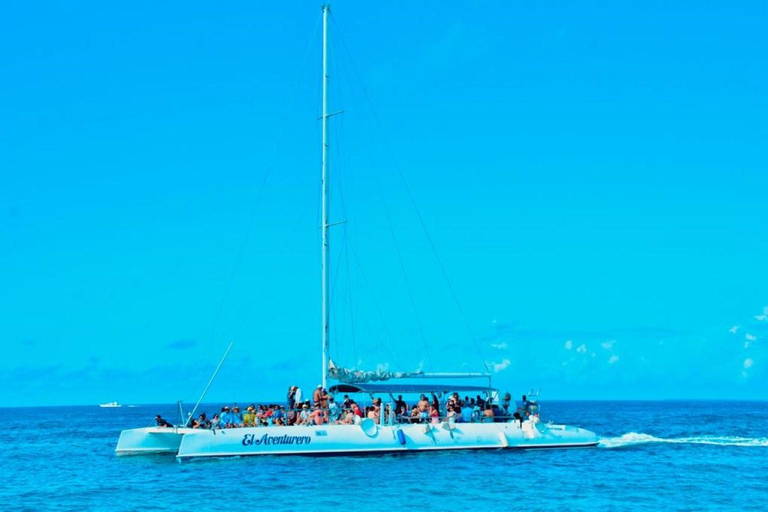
column 149, row 440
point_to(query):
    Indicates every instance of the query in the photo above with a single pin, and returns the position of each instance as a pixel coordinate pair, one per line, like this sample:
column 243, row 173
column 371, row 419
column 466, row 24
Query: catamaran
column 110, row 405
column 390, row 432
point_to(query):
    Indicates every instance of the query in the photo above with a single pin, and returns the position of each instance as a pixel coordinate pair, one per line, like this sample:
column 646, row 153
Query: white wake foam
column 634, row 438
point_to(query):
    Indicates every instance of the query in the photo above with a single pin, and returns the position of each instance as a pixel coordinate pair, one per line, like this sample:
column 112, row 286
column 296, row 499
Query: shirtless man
column 423, row 406
column 317, row 396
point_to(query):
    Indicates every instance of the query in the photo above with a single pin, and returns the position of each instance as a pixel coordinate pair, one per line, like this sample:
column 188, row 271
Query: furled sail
column 349, row 376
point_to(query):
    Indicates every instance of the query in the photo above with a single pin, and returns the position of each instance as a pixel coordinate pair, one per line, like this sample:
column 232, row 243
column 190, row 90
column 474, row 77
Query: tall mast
column 326, row 205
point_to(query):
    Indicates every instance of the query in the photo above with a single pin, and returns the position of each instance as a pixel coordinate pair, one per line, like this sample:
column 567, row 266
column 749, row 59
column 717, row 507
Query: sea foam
column 634, row 438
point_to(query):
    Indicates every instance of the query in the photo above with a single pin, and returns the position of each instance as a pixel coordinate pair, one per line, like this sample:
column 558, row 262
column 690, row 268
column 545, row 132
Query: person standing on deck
column 297, row 396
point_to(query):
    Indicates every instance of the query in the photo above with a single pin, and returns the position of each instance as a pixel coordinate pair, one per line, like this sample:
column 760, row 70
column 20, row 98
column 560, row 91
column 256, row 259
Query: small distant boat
column 110, row 405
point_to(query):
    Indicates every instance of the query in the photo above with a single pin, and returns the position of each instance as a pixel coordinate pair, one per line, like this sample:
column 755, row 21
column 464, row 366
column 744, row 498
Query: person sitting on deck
column 237, row 417
column 215, row 421
column 347, row 403
column 249, row 418
column 303, row 418
column 488, row 414
column 466, row 413
column 224, row 418
column 291, row 417
column 333, row 410
column 317, row 417
column 202, row 422
column 161, row 422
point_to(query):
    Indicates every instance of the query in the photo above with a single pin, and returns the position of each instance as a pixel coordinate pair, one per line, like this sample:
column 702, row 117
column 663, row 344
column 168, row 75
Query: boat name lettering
column 266, row 439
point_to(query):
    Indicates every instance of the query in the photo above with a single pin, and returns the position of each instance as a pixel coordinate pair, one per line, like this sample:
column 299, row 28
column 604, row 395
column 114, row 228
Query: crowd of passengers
column 323, row 409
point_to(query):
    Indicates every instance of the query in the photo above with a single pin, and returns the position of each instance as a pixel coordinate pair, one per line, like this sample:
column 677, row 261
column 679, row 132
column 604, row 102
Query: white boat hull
column 150, row 440
column 366, row 438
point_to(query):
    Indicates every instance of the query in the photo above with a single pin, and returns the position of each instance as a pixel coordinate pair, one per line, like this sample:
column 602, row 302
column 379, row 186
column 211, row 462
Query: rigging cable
column 413, row 203
column 259, row 192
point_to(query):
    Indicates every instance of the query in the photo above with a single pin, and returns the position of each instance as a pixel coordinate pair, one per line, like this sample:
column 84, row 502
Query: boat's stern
column 565, row 436
column 150, row 440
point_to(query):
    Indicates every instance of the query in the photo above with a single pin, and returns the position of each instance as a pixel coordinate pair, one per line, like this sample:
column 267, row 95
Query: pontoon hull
column 150, row 440
column 351, row 439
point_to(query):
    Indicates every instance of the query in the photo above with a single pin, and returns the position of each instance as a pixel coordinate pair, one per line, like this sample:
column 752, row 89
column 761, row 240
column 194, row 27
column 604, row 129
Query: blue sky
column 592, row 176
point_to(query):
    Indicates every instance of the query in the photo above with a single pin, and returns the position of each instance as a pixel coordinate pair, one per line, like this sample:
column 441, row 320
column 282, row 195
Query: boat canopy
column 361, row 376
column 374, row 389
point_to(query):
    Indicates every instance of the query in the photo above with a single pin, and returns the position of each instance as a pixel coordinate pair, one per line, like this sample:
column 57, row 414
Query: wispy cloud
column 614, row 359
column 750, row 337
column 608, row 345
column 503, row 365
column 500, row 346
column 748, row 362
column 734, row 329
column 569, row 345
column 581, row 349
column 183, row 344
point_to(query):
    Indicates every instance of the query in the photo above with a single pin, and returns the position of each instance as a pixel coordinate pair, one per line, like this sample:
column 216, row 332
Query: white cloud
column 593, row 354
column 748, row 363
column 581, row 349
column 614, row 359
column 750, row 337
column 569, row 345
column 500, row 346
column 608, row 345
column 746, row 344
column 762, row 318
column 503, row 365
column 734, row 329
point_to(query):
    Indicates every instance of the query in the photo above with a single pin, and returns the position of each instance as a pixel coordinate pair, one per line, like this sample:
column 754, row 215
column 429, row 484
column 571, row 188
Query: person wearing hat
column 225, row 420
column 248, row 417
column 237, row 417
column 304, row 416
column 317, row 396
column 291, row 397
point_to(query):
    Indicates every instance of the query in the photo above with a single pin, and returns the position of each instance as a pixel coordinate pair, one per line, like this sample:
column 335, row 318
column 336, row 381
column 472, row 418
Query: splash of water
column 634, row 438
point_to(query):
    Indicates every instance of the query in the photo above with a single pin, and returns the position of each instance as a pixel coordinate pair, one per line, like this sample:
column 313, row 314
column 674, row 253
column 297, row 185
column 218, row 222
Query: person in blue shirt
column 225, row 420
column 237, row 417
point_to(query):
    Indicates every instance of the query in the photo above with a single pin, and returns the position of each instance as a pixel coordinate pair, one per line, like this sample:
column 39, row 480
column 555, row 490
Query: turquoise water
column 653, row 456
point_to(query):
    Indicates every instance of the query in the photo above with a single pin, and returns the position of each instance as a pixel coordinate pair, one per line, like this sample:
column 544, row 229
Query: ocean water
column 670, row 455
